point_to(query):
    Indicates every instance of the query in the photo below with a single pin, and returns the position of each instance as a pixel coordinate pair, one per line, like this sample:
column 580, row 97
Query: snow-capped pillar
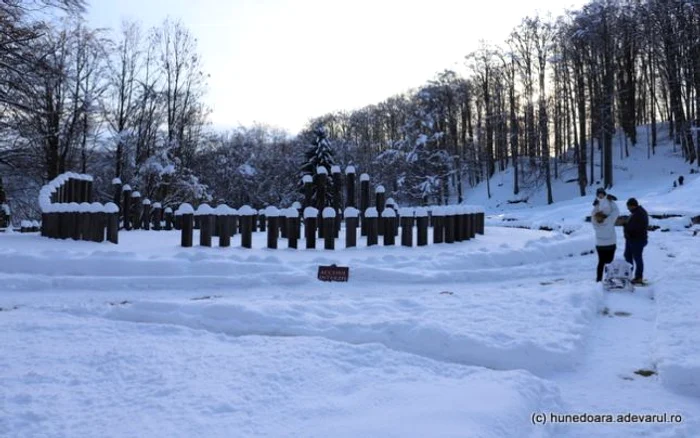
column 422, row 223
column 206, row 223
column 112, row 212
column 328, row 225
column 372, row 219
column 224, row 216
column 310, row 222
column 438, row 224
column 117, row 190
column 84, row 221
column 168, row 216
column 406, row 226
column 449, row 225
column 321, row 184
column 337, row 190
column 261, row 221
column 247, row 215
column 351, row 220
column 126, row 206
column 146, row 217
column 136, row 210
column 350, row 196
column 98, row 222
column 379, row 199
column 292, row 222
column 364, row 200
column 273, row 228
column 481, row 219
column 389, row 219
column 308, row 182
column 186, row 215
column 157, row 216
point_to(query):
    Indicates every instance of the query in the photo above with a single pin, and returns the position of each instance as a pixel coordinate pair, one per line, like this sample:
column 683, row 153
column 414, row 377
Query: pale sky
column 282, row 62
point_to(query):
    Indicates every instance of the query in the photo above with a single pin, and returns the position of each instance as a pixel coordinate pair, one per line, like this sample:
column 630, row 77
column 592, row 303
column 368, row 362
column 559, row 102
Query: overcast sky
column 282, row 62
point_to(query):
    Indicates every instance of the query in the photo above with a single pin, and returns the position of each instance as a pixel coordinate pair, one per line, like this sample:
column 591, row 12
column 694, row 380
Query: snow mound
column 514, row 328
column 677, row 342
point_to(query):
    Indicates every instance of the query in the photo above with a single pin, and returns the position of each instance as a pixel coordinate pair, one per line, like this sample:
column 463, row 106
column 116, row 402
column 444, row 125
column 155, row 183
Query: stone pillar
column 186, row 214
column 351, row 219
column 350, row 196
column 364, row 200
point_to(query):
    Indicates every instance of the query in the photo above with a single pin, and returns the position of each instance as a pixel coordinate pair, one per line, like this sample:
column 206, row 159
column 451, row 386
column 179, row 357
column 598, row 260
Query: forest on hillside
column 129, row 103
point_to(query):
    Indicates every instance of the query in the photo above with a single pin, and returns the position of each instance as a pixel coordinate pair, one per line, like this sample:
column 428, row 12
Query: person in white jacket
column 603, row 218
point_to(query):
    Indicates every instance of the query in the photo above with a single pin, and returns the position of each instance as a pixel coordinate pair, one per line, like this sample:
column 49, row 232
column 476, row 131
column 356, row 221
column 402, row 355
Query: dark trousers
column 606, row 254
column 633, row 253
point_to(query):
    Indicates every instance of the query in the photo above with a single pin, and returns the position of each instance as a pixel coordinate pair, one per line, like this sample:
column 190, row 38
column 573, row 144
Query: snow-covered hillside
column 637, row 176
column 482, row 338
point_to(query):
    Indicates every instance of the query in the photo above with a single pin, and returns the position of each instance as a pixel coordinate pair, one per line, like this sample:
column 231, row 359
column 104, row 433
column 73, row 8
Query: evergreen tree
column 320, row 154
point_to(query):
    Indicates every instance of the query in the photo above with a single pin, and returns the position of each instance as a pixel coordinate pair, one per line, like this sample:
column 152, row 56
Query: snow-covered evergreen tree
column 319, row 155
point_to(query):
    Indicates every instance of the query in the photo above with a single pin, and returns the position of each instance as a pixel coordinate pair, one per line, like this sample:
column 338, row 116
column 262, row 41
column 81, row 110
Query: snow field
column 118, row 380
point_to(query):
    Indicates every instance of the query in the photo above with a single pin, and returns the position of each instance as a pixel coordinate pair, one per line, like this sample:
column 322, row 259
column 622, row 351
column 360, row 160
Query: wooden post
column 321, row 187
column 168, row 213
column 74, row 209
column 87, row 187
column 117, row 190
column 481, row 218
column 292, row 217
column 350, row 196
column 364, row 201
column 246, row 214
column 449, row 225
column 224, row 216
column 136, row 210
column 126, row 206
column 380, row 205
column 337, row 188
column 328, row 225
column 389, row 219
column 273, row 229
column 438, row 224
column 262, row 220
column 84, row 219
column 351, row 219
column 308, row 182
column 157, row 216
column 234, row 221
column 310, row 222
column 422, row 225
column 146, row 218
column 112, row 212
column 206, row 216
column 371, row 217
column 186, row 214
column 282, row 222
column 457, row 210
column 98, row 221
column 406, row 227
column 465, row 223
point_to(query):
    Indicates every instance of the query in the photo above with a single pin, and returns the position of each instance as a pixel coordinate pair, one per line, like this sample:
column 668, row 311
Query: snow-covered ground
column 472, row 339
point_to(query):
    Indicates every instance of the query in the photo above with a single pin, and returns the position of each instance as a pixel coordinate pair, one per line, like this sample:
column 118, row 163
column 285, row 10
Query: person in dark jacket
column 636, row 238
